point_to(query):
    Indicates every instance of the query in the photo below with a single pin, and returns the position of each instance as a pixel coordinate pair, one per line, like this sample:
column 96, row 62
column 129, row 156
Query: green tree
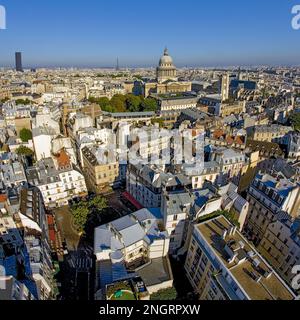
column 229, row 215
column 105, row 105
column 133, row 103
column 118, row 103
column 24, row 151
column 159, row 121
column 125, row 103
column 22, row 101
column 80, row 214
column 93, row 100
column 25, row 135
column 295, row 120
column 98, row 203
column 103, row 101
column 109, row 109
column 149, row 105
column 165, row 294
column 82, row 210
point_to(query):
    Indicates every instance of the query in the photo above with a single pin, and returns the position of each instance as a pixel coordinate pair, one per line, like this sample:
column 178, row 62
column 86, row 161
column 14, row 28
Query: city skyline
column 149, row 151
column 216, row 34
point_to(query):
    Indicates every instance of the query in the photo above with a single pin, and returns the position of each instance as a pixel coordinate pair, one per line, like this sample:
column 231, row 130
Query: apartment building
column 150, row 144
column 58, row 181
column 210, row 172
column 267, row 153
column 281, row 245
column 12, row 289
column 228, row 109
column 270, row 133
column 42, row 138
column 176, row 209
column 221, row 165
column 77, row 122
column 222, row 265
column 145, row 183
column 234, row 203
column 90, row 136
column 46, row 120
column 100, row 167
column 292, row 143
column 32, row 221
column 267, row 197
column 232, row 164
column 13, row 263
column 12, row 174
column 211, row 104
column 130, row 246
column 176, row 101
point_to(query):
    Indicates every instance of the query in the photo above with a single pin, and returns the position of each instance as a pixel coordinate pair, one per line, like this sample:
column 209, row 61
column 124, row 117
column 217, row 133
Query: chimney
column 224, row 235
column 234, row 229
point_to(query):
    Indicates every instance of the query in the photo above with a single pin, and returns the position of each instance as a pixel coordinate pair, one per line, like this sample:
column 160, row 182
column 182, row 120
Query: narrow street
column 78, row 265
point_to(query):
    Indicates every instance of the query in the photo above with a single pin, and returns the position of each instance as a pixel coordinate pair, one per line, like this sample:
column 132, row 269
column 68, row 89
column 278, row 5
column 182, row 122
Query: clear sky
column 197, row 32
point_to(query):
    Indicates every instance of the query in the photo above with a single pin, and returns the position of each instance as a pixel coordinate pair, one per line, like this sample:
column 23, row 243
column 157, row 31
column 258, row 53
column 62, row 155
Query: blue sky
column 197, row 32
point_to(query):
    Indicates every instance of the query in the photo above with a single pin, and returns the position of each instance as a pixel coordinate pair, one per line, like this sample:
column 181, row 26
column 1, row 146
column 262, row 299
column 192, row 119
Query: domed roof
column 166, row 59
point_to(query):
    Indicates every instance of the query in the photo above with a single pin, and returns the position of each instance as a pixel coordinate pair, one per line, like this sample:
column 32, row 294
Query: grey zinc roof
column 104, row 240
column 43, row 131
column 143, row 214
column 131, row 114
column 123, row 223
column 126, row 231
column 132, row 234
column 177, row 201
column 239, row 203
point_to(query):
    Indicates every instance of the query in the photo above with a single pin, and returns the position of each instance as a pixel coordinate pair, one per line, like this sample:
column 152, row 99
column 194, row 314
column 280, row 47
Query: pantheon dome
column 166, row 69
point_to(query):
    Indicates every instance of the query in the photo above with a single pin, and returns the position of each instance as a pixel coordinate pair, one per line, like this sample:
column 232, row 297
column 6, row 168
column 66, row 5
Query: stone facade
column 166, row 79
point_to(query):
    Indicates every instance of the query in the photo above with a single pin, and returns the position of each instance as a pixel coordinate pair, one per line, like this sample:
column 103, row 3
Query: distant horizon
column 130, row 67
column 94, row 33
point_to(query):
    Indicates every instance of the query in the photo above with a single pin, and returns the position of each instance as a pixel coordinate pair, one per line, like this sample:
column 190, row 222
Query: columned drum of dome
column 166, row 79
column 166, row 69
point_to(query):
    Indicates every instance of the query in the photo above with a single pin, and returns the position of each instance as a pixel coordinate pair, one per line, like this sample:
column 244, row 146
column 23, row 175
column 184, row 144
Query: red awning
column 131, row 199
column 52, row 235
column 51, row 229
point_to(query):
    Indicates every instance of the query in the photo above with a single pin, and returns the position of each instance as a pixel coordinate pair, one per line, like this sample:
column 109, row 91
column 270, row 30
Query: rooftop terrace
column 250, row 270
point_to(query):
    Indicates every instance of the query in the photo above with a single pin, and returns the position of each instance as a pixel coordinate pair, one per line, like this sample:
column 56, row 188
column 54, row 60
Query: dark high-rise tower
column 19, row 62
